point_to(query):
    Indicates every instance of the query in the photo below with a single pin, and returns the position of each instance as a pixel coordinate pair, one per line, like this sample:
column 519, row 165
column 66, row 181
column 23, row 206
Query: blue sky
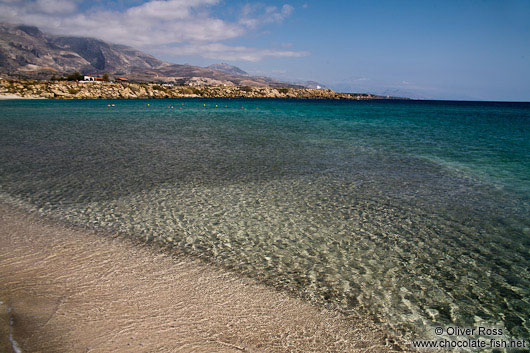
column 430, row 49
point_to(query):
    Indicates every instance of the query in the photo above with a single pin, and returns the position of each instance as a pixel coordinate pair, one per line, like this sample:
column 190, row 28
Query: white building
column 92, row 79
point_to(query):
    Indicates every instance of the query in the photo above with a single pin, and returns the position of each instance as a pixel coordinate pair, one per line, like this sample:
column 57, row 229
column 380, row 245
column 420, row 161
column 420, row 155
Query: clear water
column 415, row 213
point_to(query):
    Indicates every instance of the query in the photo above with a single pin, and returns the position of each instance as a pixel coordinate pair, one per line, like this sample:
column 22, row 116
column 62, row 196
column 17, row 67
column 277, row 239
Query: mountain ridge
column 27, row 52
column 227, row 68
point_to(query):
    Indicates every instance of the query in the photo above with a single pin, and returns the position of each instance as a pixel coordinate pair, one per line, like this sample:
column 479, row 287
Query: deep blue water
column 412, row 212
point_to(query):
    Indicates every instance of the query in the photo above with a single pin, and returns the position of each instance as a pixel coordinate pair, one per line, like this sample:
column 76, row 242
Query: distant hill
column 228, row 69
column 27, row 52
column 309, row 84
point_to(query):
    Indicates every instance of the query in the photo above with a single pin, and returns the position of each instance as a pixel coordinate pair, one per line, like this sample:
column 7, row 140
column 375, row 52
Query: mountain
column 27, row 52
column 308, row 84
column 228, row 69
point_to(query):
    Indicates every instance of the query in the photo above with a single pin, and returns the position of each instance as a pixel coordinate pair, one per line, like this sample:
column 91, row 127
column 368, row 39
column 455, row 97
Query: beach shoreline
column 13, row 96
column 75, row 290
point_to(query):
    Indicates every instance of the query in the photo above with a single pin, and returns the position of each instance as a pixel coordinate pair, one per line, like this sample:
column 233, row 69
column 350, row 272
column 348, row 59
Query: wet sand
column 73, row 290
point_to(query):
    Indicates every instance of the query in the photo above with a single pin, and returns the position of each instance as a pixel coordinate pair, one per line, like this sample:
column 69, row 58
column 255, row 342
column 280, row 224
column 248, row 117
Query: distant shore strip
column 12, row 89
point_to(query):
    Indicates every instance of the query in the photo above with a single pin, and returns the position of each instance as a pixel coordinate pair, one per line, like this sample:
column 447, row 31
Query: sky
column 463, row 50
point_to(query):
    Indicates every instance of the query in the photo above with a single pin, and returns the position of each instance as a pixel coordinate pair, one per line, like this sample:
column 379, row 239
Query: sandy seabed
column 71, row 290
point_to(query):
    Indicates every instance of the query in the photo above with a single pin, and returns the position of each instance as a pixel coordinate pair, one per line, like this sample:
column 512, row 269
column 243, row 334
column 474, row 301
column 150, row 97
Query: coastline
column 77, row 290
column 13, row 96
column 125, row 90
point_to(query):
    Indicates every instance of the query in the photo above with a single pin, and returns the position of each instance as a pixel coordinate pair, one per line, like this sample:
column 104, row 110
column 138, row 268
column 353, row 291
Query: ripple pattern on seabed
column 398, row 237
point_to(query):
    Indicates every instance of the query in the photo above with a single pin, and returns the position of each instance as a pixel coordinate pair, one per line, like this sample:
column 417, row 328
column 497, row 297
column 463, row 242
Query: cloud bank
column 172, row 27
column 224, row 52
column 254, row 15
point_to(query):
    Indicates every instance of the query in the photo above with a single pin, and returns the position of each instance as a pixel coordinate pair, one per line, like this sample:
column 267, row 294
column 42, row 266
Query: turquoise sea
column 415, row 213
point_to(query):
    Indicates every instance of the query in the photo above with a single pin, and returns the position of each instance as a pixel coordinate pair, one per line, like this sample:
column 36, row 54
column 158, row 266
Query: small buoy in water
column 204, row 105
column 216, row 105
column 113, row 105
column 108, row 105
column 147, row 104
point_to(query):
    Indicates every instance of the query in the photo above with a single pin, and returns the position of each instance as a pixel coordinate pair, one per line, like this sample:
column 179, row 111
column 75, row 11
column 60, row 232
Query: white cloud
column 56, row 6
column 221, row 51
column 166, row 10
column 254, row 15
column 153, row 25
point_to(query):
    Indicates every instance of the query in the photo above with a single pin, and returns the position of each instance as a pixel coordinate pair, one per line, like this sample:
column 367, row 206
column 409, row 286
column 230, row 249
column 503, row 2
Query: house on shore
column 92, row 79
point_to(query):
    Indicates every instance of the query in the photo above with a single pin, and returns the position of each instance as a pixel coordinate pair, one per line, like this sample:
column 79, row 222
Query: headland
column 143, row 90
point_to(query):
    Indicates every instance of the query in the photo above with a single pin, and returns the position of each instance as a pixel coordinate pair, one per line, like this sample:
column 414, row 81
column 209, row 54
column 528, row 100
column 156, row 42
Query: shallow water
column 415, row 213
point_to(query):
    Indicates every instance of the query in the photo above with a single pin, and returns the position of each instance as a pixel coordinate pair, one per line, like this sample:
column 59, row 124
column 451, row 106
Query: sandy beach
column 4, row 96
column 68, row 290
column 11, row 96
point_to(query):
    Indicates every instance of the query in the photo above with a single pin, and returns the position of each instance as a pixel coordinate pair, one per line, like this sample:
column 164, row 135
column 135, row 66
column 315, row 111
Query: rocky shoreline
column 125, row 90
